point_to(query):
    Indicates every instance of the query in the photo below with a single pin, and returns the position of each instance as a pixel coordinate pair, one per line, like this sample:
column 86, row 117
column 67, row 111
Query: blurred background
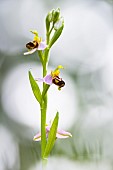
column 85, row 104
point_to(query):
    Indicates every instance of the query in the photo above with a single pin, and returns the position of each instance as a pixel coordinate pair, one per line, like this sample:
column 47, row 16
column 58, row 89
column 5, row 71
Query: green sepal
column 56, row 36
column 35, row 88
column 51, row 136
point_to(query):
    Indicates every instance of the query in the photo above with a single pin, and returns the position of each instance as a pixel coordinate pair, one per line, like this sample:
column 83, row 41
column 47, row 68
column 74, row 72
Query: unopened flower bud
column 59, row 23
column 48, row 20
column 50, row 16
column 56, row 14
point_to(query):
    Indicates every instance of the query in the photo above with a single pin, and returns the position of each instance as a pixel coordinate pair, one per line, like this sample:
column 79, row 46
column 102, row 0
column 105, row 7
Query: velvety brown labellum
column 32, row 45
column 58, row 81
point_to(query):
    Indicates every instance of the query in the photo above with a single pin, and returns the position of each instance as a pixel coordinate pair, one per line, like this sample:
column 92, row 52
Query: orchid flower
column 36, row 44
column 53, row 78
column 61, row 134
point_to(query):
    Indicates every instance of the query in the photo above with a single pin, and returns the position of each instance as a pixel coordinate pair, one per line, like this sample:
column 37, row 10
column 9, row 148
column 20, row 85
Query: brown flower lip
column 58, row 81
column 32, row 45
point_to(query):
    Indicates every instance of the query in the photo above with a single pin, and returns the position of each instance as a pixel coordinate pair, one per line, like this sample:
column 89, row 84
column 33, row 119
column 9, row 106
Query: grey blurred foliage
column 93, row 127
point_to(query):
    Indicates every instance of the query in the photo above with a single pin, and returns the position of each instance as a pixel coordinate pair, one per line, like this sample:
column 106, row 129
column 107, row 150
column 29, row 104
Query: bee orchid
column 61, row 134
column 36, row 44
column 53, row 78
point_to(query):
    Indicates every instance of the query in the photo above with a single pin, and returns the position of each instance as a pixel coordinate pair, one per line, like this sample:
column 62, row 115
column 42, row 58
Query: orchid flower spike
column 53, row 78
column 61, row 134
column 36, row 44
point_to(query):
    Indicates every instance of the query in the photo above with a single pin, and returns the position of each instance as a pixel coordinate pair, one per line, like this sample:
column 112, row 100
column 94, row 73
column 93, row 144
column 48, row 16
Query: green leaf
column 35, row 88
column 56, row 36
column 51, row 136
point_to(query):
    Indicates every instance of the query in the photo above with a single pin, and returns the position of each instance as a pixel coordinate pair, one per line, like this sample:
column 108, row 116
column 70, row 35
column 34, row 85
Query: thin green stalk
column 44, row 60
column 40, row 56
column 44, row 105
column 44, row 164
column 47, row 38
column 46, row 56
column 43, row 108
column 48, row 34
column 51, row 29
column 43, row 120
column 43, row 131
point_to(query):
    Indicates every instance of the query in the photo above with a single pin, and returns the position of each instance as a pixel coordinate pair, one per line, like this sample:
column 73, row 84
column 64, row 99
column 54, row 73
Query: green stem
column 44, row 60
column 40, row 54
column 45, row 56
column 44, row 164
column 51, row 29
column 48, row 34
column 43, row 131
column 44, row 104
column 43, row 118
column 48, row 38
column 43, row 108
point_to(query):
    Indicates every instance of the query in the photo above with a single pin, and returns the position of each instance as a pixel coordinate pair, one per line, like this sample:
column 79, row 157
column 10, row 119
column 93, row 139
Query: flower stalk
column 44, row 108
column 49, row 133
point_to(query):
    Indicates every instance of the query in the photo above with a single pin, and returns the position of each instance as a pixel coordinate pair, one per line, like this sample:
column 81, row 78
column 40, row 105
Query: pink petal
column 40, row 79
column 63, row 134
column 48, row 79
column 42, row 45
column 37, row 137
column 30, row 52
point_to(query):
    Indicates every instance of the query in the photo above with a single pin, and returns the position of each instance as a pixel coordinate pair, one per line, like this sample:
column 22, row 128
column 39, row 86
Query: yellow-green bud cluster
column 53, row 16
